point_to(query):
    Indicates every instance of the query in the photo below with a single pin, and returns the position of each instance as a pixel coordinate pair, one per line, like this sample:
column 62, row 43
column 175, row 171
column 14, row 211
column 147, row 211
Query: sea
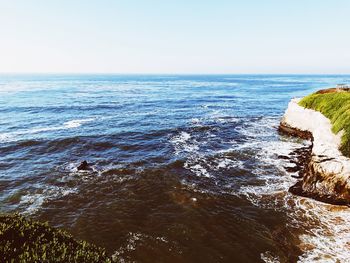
column 184, row 168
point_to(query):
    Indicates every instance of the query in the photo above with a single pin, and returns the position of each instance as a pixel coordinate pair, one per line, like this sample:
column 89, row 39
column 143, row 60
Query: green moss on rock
column 24, row 240
column 336, row 107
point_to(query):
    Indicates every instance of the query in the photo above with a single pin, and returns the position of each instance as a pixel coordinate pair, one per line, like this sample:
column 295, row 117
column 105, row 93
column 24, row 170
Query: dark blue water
column 185, row 168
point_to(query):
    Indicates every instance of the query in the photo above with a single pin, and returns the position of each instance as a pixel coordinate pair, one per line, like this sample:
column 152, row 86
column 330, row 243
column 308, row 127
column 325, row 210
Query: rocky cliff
column 326, row 176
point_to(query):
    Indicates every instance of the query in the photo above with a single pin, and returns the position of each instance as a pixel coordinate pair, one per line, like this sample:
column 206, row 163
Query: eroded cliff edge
column 326, row 176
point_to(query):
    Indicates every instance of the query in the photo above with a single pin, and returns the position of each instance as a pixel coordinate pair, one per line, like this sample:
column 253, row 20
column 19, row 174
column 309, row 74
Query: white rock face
column 329, row 171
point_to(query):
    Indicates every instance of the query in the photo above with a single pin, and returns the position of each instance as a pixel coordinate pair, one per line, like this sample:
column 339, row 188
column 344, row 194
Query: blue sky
column 105, row 36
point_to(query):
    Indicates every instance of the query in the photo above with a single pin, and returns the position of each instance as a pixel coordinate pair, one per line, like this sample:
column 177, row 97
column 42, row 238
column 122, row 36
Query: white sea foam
column 76, row 123
column 196, row 160
column 133, row 240
column 329, row 241
column 14, row 136
column 182, row 143
column 5, row 137
column 33, row 201
column 130, row 245
column 198, row 169
column 225, row 163
column 268, row 257
column 181, row 138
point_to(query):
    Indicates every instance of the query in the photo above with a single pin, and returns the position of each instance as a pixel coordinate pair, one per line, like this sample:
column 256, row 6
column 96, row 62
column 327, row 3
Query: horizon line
column 168, row 74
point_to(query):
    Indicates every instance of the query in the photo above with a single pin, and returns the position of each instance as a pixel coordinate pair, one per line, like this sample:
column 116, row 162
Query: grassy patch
column 336, row 107
column 23, row 240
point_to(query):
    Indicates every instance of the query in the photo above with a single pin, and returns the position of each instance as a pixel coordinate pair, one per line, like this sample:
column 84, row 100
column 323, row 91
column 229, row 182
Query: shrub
column 336, row 107
column 25, row 240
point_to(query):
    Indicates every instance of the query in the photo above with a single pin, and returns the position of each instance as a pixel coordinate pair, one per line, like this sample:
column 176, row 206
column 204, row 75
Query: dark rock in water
column 286, row 129
column 292, row 169
column 84, row 166
column 299, row 158
column 283, row 157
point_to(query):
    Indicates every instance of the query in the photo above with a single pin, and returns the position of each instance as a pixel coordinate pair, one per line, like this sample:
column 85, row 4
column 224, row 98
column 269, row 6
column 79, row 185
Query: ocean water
column 185, row 168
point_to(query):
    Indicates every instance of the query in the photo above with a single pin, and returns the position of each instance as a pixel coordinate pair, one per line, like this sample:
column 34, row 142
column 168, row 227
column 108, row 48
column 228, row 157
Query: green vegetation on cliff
column 336, row 107
column 23, row 240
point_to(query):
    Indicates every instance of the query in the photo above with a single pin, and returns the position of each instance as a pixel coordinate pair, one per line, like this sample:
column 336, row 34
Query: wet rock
column 283, row 157
column 292, row 169
column 299, row 158
column 285, row 129
column 84, row 166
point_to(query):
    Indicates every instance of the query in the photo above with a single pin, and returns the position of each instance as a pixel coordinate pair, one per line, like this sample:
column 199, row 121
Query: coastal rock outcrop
column 326, row 176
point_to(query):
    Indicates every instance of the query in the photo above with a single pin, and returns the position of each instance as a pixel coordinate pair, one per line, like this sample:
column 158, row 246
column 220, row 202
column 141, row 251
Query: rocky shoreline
column 324, row 171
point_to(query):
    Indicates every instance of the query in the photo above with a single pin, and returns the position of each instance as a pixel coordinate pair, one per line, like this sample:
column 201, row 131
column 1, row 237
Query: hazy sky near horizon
column 243, row 36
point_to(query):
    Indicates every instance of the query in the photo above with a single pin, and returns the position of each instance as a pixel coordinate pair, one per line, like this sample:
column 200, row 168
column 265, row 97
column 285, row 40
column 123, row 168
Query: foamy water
column 327, row 234
column 327, row 240
column 183, row 168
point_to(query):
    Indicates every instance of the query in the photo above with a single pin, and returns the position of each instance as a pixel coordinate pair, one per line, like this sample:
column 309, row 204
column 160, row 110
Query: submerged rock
column 326, row 173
